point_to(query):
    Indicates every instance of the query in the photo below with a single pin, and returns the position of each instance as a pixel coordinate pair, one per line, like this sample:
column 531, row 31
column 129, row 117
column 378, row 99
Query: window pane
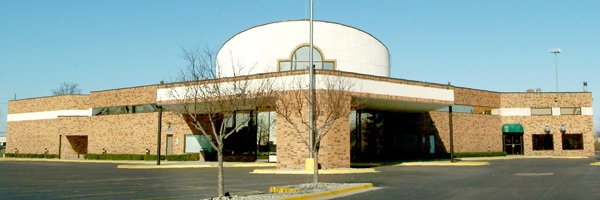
column 328, row 65
column 146, row 108
column 197, row 143
column 543, row 142
column 541, row 111
column 572, row 141
column 458, row 109
column 285, row 66
column 570, row 111
column 302, row 54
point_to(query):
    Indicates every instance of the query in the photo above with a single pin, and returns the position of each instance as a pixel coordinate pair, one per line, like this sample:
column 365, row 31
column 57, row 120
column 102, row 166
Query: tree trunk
column 316, row 166
column 221, row 182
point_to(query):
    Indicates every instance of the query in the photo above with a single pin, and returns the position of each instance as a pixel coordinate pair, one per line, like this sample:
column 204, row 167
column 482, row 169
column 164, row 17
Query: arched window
column 300, row 60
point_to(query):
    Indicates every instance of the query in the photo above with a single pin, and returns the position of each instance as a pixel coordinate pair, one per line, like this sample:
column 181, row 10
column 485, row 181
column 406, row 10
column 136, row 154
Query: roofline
column 386, row 48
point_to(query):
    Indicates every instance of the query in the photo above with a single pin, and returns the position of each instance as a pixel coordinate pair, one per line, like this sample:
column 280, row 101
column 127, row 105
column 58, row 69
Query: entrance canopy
column 512, row 128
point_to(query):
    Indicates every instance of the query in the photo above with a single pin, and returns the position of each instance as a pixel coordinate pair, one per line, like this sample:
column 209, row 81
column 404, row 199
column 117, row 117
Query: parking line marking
column 97, row 194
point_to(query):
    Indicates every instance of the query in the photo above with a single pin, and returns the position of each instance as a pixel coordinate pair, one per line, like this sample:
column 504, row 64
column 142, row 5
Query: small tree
column 209, row 101
column 332, row 102
column 67, row 88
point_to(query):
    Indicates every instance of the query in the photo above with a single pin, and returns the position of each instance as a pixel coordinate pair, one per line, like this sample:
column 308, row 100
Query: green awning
column 512, row 128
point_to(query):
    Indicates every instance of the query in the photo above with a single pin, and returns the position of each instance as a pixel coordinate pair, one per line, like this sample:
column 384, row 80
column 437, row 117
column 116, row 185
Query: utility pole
column 556, row 51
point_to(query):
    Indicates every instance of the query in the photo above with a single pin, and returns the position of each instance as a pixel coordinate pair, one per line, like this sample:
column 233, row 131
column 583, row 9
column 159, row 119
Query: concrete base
column 309, row 164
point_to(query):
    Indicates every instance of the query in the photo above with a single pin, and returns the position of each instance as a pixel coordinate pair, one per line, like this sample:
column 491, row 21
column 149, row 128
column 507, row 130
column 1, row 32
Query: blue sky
column 491, row 45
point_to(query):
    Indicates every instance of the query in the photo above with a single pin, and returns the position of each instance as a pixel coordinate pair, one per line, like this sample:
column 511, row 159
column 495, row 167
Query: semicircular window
column 300, row 60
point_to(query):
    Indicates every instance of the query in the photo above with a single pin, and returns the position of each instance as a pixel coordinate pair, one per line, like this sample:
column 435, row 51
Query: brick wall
column 472, row 132
column 63, row 102
column 541, row 100
column 126, row 96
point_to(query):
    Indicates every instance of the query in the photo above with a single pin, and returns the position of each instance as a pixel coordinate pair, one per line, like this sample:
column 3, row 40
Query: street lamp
column 556, row 51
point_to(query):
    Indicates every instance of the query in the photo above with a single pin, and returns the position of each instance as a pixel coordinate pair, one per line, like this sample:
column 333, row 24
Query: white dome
column 260, row 49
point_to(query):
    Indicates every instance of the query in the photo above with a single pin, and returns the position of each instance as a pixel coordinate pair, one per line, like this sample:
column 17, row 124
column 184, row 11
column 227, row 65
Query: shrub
column 479, row 154
column 9, row 155
column 183, row 157
column 121, row 157
column 50, row 156
column 153, row 157
column 91, row 156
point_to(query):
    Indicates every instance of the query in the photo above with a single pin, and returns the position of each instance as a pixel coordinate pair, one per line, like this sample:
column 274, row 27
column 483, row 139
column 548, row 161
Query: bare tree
column 332, row 102
column 67, row 88
column 209, row 102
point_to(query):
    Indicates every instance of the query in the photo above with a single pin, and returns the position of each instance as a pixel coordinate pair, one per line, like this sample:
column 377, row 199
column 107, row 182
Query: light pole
column 556, row 51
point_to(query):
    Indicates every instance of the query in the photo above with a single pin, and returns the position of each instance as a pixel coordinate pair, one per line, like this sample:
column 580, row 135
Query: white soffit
column 48, row 115
column 360, row 85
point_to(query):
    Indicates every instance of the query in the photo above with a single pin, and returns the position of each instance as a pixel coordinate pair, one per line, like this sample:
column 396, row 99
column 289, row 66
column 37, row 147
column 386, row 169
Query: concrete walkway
column 510, row 157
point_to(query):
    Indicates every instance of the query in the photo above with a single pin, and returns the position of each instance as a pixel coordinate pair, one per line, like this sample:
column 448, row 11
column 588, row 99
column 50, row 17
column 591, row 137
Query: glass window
column 458, row 109
column 300, row 60
column 541, row 111
column 197, row 143
column 146, row 108
column 266, row 123
column 285, row 66
column 328, row 65
column 115, row 110
column 570, row 111
column 543, row 142
column 572, row 141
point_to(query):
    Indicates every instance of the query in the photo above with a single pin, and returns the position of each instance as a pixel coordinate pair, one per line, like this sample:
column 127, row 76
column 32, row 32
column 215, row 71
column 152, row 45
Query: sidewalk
column 510, row 157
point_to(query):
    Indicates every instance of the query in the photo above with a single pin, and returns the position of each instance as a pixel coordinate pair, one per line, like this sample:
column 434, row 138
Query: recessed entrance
column 513, row 143
column 512, row 139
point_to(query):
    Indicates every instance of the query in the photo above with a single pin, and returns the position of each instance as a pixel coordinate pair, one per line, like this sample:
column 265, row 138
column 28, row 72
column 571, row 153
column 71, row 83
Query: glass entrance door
column 513, row 143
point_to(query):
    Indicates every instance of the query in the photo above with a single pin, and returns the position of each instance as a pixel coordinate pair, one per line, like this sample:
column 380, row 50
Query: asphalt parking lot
column 515, row 179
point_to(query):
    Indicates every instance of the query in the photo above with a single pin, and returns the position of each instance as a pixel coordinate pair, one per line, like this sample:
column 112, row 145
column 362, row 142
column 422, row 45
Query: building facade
column 395, row 118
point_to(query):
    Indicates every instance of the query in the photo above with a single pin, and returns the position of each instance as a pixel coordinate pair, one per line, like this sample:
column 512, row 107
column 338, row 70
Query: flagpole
column 312, row 83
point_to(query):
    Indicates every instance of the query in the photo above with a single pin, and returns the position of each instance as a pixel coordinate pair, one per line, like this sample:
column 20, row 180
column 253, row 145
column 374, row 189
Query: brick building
column 397, row 118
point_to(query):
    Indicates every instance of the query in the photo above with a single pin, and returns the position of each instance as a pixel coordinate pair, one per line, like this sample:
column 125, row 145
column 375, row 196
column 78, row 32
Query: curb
column 330, row 193
column 76, row 161
column 524, row 157
column 595, row 164
column 161, row 166
column 327, row 171
column 255, row 165
column 457, row 164
column 189, row 166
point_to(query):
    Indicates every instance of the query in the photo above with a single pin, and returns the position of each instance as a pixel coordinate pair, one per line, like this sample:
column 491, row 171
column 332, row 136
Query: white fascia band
column 360, row 85
column 48, row 115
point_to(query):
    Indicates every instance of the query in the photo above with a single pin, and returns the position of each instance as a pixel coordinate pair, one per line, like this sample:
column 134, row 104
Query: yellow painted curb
column 595, row 164
column 282, row 190
column 161, row 166
column 327, row 171
column 256, row 165
column 330, row 193
column 523, row 157
column 77, row 161
column 444, row 164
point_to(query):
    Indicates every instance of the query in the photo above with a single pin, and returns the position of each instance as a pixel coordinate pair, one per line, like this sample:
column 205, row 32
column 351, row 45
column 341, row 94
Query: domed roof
column 263, row 48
